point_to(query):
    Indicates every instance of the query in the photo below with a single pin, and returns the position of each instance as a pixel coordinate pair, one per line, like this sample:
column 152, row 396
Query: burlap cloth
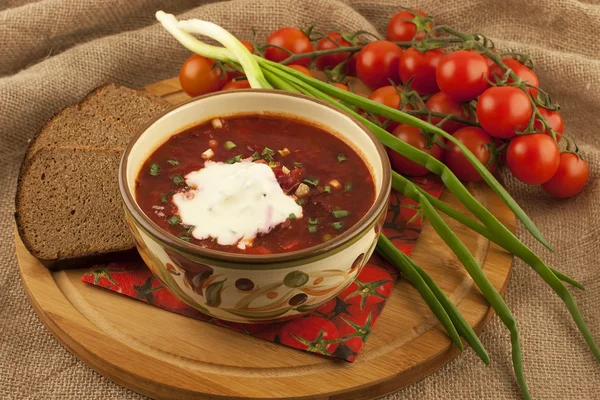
column 53, row 52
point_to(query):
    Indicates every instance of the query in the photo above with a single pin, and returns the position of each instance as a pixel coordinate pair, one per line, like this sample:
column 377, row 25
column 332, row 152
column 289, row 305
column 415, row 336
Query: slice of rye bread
column 69, row 211
column 131, row 107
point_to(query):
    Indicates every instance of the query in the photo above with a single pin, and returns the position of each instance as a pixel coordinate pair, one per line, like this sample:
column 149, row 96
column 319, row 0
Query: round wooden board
column 167, row 356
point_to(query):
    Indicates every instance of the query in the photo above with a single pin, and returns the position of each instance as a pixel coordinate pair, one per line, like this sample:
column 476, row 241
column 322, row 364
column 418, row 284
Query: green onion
column 173, row 162
column 300, row 202
column 256, row 156
column 341, row 157
column 163, row 198
column 190, row 230
column 272, row 164
column 229, row 145
column 177, row 179
column 297, row 164
column 292, row 216
column 235, row 159
column 340, row 213
column 186, row 238
column 327, row 236
column 155, row 170
column 313, row 221
column 348, row 187
column 327, row 189
column 338, row 225
column 174, row 220
column 284, row 152
column 311, row 181
column 267, row 151
column 312, row 229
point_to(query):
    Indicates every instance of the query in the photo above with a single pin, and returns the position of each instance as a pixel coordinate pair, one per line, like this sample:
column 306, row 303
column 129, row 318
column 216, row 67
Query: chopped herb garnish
column 256, row 156
column 348, row 187
column 313, row 221
column 340, row 213
column 186, row 238
column 312, row 229
column 327, row 189
column 163, row 198
column 174, row 220
column 155, row 170
column 229, row 145
column 173, row 162
column 297, row 164
column 341, row 157
column 338, row 225
column 311, row 181
column 272, row 164
column 300, row 202
column 177, row 179
column 327, row 236
column 235, row 159
column 266, row 151
column 292, row 216
column 284, row 152
column 190, row 230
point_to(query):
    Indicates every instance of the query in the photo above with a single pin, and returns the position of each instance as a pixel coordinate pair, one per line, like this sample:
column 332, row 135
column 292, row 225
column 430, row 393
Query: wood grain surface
column 168, row 356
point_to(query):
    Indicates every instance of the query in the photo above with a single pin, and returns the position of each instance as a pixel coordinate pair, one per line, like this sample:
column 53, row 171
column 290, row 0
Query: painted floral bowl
column 255, row 288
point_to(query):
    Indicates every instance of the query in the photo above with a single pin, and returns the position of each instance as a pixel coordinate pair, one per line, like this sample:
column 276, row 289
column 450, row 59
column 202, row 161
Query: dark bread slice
column 131, row 107
column 74, row 128
column 68, row 208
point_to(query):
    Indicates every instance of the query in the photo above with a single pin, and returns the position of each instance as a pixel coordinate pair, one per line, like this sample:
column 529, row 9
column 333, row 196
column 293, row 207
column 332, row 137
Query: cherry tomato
column 476, row 140
column 332, row 40
column 237, row 84
column 301, row 68
column 415, row 138
column 570, row 178
column 554, row 119
column 350, row 67
column 462, row 75
column 310, row 332
column 521, row 71
column 292, row 39
column 442, row 103
column 503, row 109
column 341, row 86
column 248, row 44
column 389, row 96
column 352, row 322
column 533, row 159
column 373, row 285
column 377, row 63
column 401, row 30
column 197, row 76
column 422, row 68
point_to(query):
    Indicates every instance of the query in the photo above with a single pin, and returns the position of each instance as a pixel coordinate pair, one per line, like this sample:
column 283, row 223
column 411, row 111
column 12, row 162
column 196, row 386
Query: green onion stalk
column 262, row 73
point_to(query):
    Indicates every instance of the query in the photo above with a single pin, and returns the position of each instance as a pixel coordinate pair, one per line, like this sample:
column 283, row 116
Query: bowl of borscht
column 255, row 205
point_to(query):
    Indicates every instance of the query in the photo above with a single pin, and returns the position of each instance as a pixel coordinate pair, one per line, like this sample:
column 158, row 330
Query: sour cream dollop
column 233, row 203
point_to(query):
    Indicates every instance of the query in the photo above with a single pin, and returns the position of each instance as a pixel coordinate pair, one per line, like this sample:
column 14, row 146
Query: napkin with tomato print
column 337, row 329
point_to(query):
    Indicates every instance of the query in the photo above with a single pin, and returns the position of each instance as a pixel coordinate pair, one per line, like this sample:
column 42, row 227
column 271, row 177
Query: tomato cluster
column 488, row 101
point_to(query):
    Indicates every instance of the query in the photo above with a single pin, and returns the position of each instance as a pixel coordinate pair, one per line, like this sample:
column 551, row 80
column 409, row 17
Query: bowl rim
column 240, row 258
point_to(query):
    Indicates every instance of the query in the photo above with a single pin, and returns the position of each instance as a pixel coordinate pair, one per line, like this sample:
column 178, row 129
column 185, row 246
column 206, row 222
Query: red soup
column 255, row 184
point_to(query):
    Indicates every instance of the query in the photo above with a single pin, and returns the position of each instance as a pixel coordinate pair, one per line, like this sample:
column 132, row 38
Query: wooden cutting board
column 167, row 356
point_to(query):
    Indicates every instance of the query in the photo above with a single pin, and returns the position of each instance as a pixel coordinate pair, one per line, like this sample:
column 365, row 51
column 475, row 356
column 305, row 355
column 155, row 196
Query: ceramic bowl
column 255, row 288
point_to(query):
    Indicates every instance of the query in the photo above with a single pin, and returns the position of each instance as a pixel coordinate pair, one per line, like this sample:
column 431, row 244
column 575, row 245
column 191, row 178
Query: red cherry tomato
column 350, row 67
column 489, row 61
column 570, row 178
column 401, row 30
column 521, row 71
column 533, row 159
column 332, row 40
column 373, row 285
column 363, row 322
column 197, row 76
column 422, row 68
column 301, row 68
column 292, row 39
column 248, row 44
column 463, row 75
column 341, row 86
column 476, row 140
column 503, row 109
column 554, row 119
column 442, row 103
column 377, row 63
column 237, row 84
column 302, row 333
column 415, row 138
column 389, row 96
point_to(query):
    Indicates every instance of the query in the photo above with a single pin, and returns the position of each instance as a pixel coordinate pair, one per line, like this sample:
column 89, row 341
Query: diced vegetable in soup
column 255, row 184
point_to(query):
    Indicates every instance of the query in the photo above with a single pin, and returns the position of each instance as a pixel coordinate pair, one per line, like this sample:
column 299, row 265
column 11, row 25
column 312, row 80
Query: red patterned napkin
column 337, row 329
